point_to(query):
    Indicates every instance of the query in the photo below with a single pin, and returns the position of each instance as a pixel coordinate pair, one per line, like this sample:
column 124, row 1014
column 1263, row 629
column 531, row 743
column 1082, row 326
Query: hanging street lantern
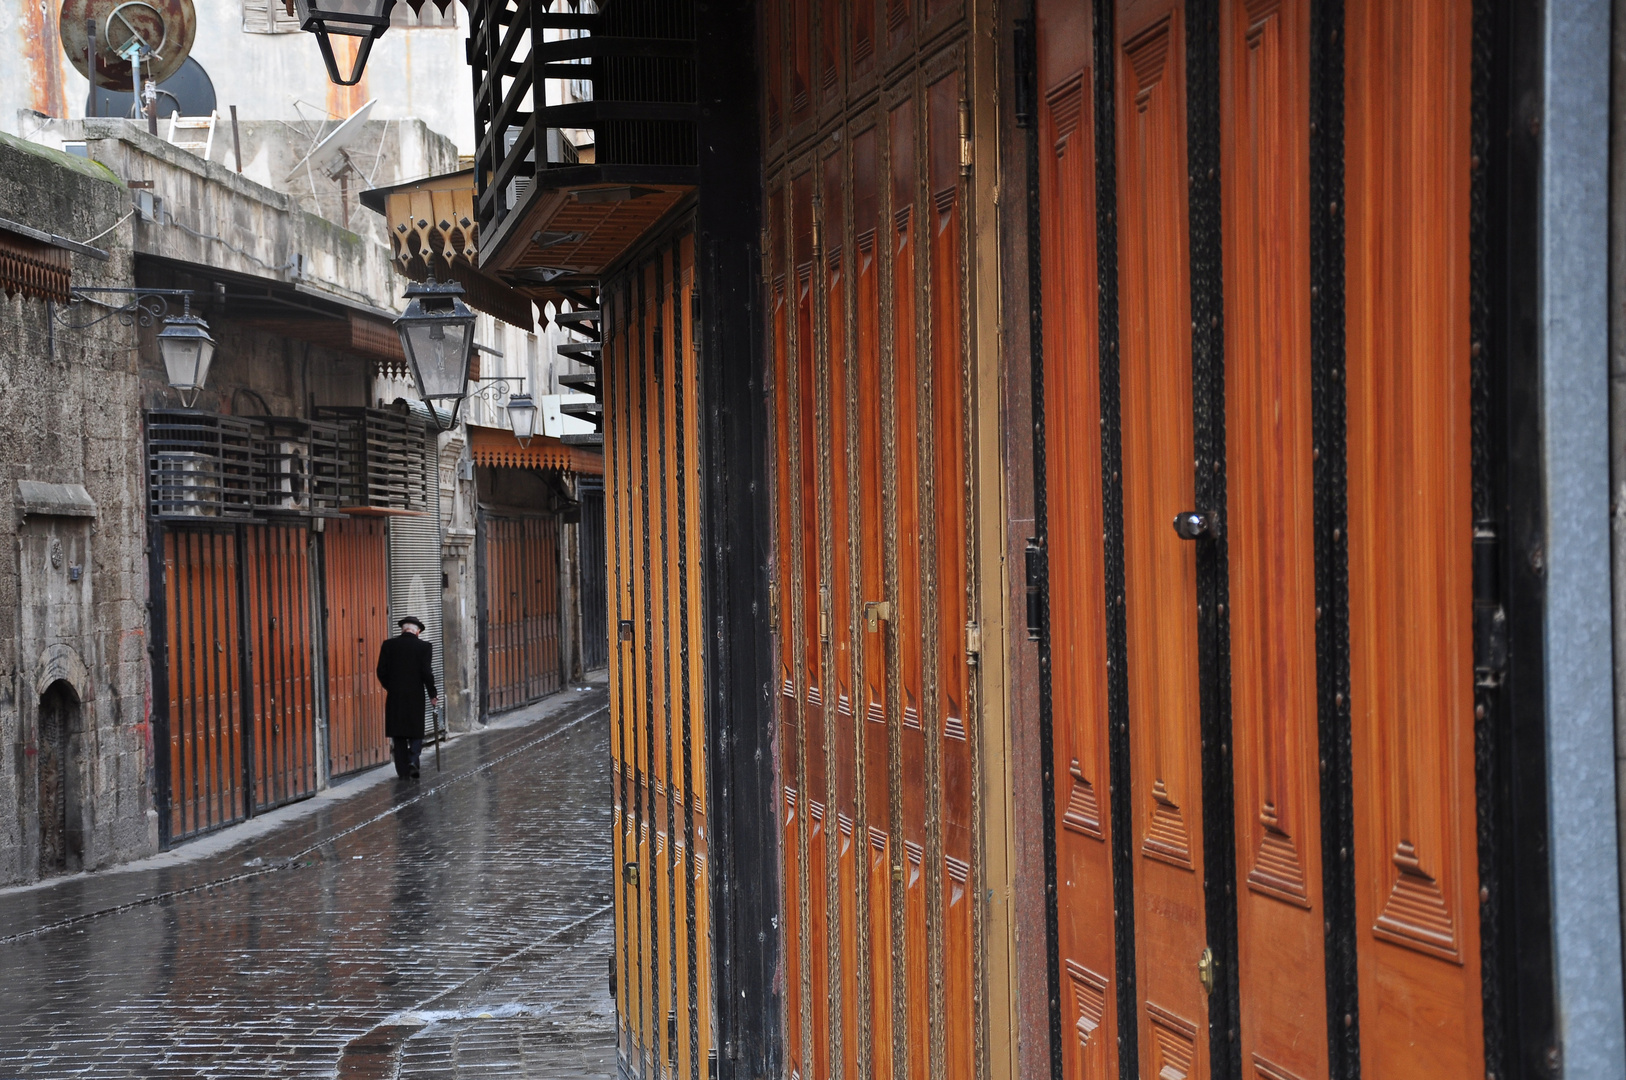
column 364, row 19
column 437, row 335
column 187, row 350
column 522, row 415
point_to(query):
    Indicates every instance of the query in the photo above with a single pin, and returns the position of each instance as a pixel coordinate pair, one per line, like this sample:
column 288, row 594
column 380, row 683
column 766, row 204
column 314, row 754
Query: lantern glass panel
column 187, row 351
column 440, row 355
column 522, row 415
column 359, row 18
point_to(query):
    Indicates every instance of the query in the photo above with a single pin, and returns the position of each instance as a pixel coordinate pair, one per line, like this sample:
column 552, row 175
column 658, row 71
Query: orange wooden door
column 282, row 690
column 1408, row 174
column 1075, row 541
column 356, row 578
column 1160, row 569
column 1264, row 48
column 203, row 642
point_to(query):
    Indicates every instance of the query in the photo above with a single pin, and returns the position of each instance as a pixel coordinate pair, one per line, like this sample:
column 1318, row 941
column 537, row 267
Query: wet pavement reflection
column 457, row 925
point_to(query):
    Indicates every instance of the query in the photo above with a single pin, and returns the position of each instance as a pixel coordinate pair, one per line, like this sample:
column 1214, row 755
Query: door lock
column 1205, row 970
column 875, row 613
column 1195, row 525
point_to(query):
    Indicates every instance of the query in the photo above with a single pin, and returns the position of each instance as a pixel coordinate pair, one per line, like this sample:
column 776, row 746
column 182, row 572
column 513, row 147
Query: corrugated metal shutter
column 415, row 566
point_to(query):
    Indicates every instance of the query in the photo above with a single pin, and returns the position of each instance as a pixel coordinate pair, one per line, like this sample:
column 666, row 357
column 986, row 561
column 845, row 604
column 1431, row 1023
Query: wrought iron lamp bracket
column 145, row 307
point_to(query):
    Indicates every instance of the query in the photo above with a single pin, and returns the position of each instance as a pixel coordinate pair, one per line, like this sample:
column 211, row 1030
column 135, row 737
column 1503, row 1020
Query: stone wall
column 73, row 586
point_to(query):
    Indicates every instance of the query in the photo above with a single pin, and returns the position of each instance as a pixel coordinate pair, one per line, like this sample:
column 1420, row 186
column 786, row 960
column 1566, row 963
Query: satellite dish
column 161, row 30
column 329, row 154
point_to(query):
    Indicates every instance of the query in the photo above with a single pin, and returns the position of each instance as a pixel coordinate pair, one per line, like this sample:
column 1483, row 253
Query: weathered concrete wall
column 72, row 416
column 461, row 599
column 276, row 157
column 414, row 73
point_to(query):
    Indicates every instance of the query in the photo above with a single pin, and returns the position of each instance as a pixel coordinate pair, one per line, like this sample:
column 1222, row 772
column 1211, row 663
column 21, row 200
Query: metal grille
column 521, row 634
column 296, row 465
column 199, row 464
column 356, row 573
column 380, row 458
column 594, row 597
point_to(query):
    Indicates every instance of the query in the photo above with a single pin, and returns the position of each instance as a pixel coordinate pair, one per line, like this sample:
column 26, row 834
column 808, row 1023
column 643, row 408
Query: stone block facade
column 74, row 669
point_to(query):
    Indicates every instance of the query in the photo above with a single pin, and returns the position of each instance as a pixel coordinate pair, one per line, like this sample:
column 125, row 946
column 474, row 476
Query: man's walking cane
column 440, row 715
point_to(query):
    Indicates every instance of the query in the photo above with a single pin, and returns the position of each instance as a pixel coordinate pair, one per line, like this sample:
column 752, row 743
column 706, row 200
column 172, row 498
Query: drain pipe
column 1617, row 406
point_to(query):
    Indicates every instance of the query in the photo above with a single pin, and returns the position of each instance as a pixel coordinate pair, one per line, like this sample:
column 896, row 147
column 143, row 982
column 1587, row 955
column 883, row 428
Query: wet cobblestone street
column 454, row 926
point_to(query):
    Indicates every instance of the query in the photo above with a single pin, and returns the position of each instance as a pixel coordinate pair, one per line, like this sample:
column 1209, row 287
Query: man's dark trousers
column 405, row 752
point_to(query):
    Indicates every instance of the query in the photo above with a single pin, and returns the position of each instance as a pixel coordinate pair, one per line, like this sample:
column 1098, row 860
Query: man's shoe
column 414, row 772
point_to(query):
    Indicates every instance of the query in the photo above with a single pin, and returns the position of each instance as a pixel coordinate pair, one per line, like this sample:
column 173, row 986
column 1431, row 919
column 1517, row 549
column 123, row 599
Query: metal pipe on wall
column 1617, row 410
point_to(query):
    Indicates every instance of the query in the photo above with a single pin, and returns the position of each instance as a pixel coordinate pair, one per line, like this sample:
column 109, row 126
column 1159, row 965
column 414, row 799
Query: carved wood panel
column 1074, row 537
column 866, row 254
column 1159, row 567
column 1407, row 179
column 1270, row 519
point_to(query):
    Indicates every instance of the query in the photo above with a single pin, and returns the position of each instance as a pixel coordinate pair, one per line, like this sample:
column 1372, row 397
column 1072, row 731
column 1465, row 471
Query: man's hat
column 414, row 620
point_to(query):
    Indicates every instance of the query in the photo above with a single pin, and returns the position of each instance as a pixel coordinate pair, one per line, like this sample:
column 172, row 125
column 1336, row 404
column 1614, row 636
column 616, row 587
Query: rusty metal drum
column 167, row 28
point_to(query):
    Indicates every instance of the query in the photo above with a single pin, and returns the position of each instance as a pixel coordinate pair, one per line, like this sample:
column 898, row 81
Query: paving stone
column 455, row 926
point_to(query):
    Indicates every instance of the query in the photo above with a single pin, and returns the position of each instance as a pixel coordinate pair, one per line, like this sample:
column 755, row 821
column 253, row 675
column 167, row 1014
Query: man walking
column 406, row 669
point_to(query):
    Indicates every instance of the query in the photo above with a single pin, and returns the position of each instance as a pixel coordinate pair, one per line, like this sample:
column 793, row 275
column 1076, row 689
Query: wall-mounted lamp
column 364, row 19
column 522, row 416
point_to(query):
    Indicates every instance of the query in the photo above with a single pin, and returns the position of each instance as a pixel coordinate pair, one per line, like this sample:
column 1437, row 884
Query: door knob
column 1194, row 525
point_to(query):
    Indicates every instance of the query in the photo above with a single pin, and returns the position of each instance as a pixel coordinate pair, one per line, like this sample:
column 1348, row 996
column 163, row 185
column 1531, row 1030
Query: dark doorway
column 61, row 839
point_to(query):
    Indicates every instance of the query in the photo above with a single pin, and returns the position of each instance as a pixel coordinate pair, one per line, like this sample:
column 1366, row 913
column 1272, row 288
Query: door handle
column 1196, row 525
column 875, row 613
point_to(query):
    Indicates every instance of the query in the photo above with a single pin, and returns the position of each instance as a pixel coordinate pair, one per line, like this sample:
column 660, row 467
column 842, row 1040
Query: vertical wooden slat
column 1408, row 183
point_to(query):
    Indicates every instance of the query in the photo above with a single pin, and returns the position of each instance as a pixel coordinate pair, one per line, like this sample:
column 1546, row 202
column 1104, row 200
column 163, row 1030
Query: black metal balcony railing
column 638, row 57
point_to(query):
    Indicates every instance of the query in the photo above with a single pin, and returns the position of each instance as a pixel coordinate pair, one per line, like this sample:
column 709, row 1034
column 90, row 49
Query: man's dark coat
column 406, row 668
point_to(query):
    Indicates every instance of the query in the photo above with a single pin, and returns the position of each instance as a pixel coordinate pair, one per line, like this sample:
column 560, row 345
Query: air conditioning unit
column 182, row 484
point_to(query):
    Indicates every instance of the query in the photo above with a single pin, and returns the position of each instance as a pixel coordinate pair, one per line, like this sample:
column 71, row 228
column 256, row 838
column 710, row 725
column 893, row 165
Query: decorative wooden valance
column 33, row 268
column 494, row 448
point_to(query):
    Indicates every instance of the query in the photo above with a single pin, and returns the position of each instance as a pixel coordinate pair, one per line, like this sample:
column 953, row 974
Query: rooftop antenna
column 332, row 156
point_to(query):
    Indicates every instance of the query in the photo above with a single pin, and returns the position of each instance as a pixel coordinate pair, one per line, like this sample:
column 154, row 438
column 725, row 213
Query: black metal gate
column 594, row 597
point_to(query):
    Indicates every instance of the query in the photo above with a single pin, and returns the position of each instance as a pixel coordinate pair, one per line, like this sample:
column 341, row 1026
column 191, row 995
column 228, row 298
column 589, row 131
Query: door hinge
column 1025, row 67
column 773, row 605
column 965, row 136
column 973, row 643
column 824, row 613
column 1490, row 619
column 1035, row 579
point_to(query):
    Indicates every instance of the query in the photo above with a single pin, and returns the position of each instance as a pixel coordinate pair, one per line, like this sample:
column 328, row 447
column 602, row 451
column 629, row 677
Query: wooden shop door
column 1254, row 713
column 867, row 253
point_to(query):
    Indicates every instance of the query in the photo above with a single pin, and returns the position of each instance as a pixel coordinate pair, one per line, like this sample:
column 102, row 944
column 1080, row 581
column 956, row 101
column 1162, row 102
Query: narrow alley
column 458, row 925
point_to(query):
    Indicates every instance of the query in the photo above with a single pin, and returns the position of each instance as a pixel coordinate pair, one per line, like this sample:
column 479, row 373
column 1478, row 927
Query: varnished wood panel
column 282, row 687
column 876, row 844
column 903, row 161
column 1074, row 536
column 945, row 216
column 1270, row 519
column 521, row 634
column 658, row 731
column 1160, row 568
column 205, row 681
column 840, row 382
column 1407, row 178
column 355, row 560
